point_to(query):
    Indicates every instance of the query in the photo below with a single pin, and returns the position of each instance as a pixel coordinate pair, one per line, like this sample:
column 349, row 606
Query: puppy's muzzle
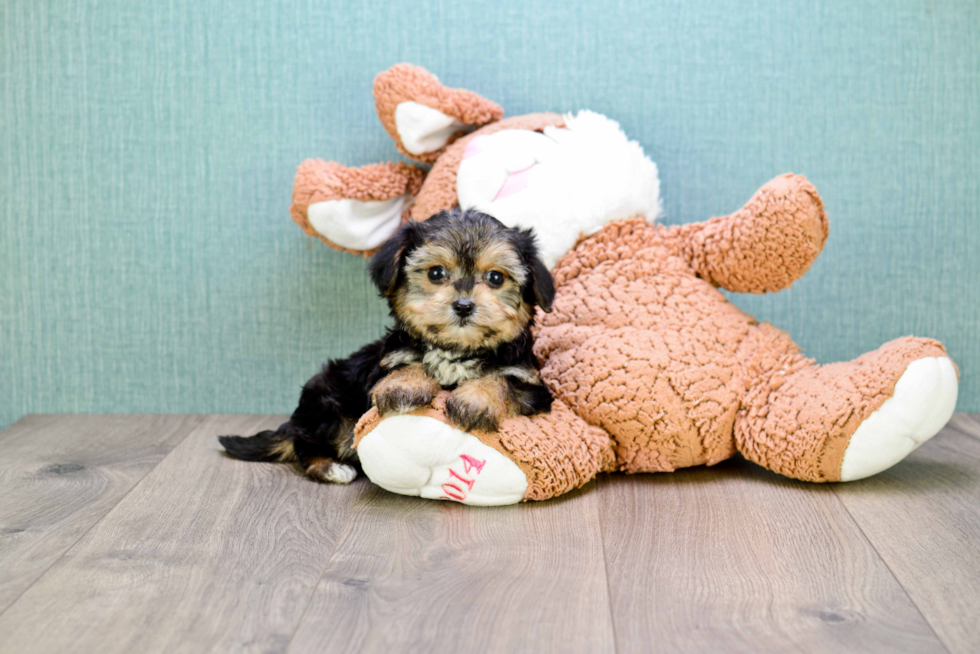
column 464, row 307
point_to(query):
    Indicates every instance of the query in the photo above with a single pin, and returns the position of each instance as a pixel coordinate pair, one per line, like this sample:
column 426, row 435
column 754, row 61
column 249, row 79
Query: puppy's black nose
column 463, row 307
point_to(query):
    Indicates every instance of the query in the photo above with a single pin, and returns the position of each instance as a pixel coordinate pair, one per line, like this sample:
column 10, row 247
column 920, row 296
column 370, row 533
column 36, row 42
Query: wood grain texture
column 923, row 518
column 735, row 558
column 207, row 554
column 59, row 475
column 100, row 551
column 414, row 575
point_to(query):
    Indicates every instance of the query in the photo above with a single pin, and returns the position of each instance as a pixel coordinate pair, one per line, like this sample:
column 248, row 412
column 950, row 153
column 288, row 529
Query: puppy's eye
column 495, row 278
column 437, row 274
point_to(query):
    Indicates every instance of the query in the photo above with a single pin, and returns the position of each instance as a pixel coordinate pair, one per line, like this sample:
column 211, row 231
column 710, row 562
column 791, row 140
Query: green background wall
column 148, row 263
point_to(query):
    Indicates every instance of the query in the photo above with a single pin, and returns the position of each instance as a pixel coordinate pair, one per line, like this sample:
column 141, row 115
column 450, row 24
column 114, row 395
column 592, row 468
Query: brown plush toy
column 652, row 368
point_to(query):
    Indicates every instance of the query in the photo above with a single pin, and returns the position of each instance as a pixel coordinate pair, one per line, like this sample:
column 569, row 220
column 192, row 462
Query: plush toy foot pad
column 922, row 404
column 421, row 456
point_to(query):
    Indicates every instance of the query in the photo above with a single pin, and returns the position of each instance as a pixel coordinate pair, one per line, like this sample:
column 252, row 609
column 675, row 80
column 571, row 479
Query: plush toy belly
column 651, row 353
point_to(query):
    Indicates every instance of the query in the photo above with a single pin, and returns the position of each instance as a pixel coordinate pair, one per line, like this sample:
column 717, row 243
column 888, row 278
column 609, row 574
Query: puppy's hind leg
column 330, row 460
column 330, row 471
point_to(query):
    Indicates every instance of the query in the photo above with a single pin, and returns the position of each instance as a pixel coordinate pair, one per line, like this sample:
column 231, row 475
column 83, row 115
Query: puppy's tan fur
column 404, row 390
column 479, row 403
column 463, row 288
column 426, row 309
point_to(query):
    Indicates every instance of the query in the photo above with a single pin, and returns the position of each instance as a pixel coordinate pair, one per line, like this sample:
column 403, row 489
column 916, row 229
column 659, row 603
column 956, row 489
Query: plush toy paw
column 921, row 405
column 422, row 456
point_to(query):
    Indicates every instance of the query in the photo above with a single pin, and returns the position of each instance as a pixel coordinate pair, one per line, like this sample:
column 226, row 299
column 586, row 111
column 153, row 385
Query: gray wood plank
column 207, row 553
column 923, row 518
column 60, row 475
column 413, row 575
column 734, row 558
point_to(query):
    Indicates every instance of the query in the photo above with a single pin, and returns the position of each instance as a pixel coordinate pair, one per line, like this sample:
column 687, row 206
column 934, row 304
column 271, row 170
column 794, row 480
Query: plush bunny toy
column 651, row 367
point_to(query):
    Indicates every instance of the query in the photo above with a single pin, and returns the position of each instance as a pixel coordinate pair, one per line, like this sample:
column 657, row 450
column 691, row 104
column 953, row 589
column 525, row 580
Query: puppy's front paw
column 401, row 392
column 472, row 407
column 402, row 399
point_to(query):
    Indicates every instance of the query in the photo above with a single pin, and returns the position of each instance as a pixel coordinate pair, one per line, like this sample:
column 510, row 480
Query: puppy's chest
column 450, row 368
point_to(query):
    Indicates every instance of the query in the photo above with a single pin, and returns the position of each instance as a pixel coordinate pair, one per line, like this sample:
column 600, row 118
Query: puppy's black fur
column 429, row 344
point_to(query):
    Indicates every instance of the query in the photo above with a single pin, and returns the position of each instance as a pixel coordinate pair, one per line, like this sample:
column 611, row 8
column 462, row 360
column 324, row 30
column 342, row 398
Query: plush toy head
column 561, row 175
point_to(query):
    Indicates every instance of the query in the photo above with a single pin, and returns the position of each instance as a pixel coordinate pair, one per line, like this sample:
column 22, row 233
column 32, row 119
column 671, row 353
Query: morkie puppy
column 462, row 289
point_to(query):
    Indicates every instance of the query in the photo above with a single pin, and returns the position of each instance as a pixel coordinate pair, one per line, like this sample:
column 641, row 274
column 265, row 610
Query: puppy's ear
column 540, row 284
column 544, row 284
column 387, row 263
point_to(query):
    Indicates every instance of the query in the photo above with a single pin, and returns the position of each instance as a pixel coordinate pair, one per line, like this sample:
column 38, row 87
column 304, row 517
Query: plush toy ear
column 353, row 209
column 387, row 263
column 422, row 115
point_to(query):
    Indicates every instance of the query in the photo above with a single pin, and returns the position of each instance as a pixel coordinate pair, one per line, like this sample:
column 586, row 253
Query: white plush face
column 564, row 183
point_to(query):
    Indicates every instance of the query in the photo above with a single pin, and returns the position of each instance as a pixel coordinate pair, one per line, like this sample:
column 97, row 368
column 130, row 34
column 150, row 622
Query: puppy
column 462, row 289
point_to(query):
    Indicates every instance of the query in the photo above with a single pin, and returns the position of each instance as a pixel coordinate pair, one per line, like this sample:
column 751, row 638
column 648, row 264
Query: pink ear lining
column 475, row 146
column 514, row 183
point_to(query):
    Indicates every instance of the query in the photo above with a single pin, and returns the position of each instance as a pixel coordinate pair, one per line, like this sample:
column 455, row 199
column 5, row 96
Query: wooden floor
column 136, row 534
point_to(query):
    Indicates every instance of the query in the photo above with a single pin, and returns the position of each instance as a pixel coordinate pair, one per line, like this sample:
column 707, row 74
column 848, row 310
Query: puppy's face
column 462, row 281
column 463, row 297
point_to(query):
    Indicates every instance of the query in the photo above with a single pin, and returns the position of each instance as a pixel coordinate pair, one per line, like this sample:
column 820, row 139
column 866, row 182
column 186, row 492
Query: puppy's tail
column 265, row 446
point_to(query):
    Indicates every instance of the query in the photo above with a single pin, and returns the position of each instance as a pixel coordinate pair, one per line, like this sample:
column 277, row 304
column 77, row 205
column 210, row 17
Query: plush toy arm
column 422, row 116
column 353, row 209
column 763, row 247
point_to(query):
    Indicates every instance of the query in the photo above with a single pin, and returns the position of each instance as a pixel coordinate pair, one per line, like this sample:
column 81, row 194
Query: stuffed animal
column 651, row 367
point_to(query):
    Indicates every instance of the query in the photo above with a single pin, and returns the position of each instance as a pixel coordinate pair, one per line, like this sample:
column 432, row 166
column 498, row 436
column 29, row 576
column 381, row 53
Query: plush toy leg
column 843, row 421
column 527, row 459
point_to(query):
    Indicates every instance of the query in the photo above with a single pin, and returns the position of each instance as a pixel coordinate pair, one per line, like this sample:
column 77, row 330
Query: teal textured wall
column 148, row 263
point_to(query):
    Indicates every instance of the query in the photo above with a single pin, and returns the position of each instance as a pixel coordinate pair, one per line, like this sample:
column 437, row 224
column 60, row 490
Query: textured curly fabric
column 319, row 181
column 640, row 346
column 654, row 369
column 797, row 418
column 408, row 83
column 766, row 245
